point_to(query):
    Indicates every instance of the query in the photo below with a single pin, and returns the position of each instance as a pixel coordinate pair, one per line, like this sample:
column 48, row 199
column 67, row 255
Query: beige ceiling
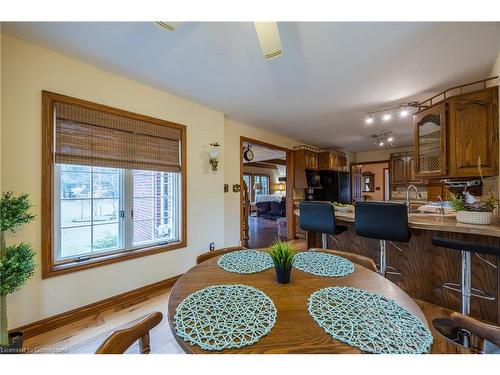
column 329, row 75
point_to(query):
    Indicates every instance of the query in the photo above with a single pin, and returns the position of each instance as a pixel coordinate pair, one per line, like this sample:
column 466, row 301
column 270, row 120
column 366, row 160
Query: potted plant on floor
column 479, row 212
column 16, row 263
column 282, row 254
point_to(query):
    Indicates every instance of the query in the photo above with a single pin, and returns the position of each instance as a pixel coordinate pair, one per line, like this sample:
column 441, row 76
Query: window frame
column 50, row 267
column 260, row 176
column 252, row 176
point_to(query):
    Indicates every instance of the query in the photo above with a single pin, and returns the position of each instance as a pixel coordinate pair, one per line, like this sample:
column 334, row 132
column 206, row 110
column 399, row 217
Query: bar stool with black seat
column 384, row 221
column 319, row 217
column 444, row 326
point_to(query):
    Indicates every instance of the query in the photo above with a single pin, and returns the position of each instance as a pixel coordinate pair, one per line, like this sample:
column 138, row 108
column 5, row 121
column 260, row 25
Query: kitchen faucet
column 417, row 195
column 441, row 209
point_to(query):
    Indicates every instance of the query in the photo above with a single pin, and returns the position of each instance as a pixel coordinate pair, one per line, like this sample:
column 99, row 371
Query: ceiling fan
column 267, row 33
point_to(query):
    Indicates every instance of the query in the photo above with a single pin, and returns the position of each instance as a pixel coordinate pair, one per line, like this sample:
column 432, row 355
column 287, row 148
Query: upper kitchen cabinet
column 451, row 135
column 304, row 158
column 402, row 168
column 430, row 142
column 311, row 160
column 398, row 169
column 473, row 133
column 332, row 161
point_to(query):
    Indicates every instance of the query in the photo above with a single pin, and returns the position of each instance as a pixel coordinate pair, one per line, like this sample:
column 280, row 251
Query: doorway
column 370, row 180
column 266, row 194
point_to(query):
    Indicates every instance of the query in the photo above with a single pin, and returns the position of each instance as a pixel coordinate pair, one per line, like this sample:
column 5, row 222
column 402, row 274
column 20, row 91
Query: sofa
column 271, row 210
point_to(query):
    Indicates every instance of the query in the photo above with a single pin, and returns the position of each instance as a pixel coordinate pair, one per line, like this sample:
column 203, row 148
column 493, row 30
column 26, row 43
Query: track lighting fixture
column 383, row 139
column 387, row 113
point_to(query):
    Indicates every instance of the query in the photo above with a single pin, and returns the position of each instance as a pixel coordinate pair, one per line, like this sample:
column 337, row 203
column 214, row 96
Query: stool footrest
column 393, row 271
column 397, row 247
column 390, row 270
column 474, row 291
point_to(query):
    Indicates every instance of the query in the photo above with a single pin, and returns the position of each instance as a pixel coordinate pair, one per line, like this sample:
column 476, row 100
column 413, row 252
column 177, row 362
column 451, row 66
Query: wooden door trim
column 289, row 184
column 384, row 187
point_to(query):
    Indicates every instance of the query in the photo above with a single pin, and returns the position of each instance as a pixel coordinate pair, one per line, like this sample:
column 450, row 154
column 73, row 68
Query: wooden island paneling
column 425, row 267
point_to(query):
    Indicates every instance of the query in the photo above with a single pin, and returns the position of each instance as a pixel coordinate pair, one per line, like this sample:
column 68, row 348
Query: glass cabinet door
column 430, row 141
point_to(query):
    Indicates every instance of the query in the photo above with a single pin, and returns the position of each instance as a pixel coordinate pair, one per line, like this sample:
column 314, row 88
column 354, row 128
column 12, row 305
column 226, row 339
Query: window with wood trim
column 113, row 185
column 256, row 184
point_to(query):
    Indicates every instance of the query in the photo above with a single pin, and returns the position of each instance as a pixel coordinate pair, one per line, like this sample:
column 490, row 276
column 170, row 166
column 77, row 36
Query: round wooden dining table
column 295, row 330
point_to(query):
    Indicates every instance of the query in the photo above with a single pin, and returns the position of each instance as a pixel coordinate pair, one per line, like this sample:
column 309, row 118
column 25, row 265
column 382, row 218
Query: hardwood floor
column 262, row 232
column 86, row 335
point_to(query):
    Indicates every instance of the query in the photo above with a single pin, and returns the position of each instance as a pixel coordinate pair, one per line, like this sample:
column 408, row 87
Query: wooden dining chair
column 211, row 254
column 355, row 258
column 119, row 341
column 480, row 333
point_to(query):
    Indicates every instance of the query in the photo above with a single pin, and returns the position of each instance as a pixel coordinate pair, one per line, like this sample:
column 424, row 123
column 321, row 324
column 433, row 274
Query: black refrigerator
column 335, row 187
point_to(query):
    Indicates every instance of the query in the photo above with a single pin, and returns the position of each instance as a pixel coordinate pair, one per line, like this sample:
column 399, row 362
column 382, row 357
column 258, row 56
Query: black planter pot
column 283, row 275
column 15, row 344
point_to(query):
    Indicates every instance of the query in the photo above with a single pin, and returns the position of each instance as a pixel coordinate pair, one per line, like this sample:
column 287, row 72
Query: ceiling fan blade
column 170, row 26
column 269, row 39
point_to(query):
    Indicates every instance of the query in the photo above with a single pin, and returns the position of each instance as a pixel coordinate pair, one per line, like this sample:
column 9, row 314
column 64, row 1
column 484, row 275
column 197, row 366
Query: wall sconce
column 214, row 155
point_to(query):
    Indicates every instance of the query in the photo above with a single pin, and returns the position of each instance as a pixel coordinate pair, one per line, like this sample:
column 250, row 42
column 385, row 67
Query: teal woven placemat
column 245, row 261
column 368, row 321
column 322, row 264
column 224, row 317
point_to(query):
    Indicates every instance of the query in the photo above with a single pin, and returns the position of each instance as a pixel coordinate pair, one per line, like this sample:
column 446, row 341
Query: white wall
column 26, row 71
column 232, row 132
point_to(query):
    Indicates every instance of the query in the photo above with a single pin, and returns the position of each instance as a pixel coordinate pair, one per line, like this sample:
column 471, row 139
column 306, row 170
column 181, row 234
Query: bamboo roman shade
column 99, row 138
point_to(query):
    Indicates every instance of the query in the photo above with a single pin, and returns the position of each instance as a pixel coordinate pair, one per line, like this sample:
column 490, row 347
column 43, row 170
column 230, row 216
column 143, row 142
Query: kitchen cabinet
column 303, row 159
column 332, row 161
column 474, row 133
column 430, row 141
column 398, row 169
column 311, row 160
column 402, row 169
column 435, row 190
column 451, row 136
column 411, row 174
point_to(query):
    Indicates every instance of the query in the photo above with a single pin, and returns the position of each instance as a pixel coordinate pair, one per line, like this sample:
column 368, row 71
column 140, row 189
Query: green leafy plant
column 457, row 203
column 16, row 261
column 109, row 240
column 282, row 254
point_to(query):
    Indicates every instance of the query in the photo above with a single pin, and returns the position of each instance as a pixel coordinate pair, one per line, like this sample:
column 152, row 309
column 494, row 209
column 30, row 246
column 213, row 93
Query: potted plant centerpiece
column 16, row 263
column 282, row 254
column 473, row 213
column 480, row 212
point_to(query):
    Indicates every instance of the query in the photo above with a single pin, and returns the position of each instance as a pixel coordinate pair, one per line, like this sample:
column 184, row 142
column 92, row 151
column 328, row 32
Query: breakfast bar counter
column 436, row 222
column 425, row 267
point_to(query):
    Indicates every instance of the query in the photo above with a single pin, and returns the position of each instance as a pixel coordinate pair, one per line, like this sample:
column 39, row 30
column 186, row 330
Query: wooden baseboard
column 130, row 297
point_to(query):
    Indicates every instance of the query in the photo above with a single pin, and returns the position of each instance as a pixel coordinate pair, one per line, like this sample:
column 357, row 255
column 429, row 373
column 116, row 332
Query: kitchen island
column 424, row 267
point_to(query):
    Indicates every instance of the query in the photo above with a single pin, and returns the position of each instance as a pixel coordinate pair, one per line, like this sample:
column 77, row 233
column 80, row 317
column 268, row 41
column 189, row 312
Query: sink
column 416, row 214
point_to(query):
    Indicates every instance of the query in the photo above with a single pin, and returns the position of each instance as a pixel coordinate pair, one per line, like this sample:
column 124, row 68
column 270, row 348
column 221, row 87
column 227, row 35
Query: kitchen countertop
column 446, row 223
